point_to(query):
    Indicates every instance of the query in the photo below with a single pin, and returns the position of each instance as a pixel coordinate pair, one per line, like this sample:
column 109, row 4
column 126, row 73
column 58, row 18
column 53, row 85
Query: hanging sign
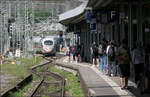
column 93, row 27
column 113, row 16
column 89, row 16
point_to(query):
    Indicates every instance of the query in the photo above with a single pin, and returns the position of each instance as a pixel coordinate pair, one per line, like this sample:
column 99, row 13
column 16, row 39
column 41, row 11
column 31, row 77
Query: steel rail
column 46, row 73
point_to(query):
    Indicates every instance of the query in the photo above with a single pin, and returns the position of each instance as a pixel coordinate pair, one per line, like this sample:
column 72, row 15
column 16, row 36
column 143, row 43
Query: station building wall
column 134, row 24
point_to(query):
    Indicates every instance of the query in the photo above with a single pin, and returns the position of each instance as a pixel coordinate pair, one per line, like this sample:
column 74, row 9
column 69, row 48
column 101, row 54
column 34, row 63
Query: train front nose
column 47, row 49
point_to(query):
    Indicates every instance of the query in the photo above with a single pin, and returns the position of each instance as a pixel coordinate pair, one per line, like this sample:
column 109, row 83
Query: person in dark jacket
column 76, row 51
column 82, row 52
column 95, row 54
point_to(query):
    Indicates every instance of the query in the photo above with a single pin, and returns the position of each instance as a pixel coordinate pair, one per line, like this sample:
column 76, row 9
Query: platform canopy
column 68, row 16
column 79, row 13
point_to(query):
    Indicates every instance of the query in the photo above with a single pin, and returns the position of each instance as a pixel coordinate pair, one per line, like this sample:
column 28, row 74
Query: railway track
column 47, row 83
column 46, row 87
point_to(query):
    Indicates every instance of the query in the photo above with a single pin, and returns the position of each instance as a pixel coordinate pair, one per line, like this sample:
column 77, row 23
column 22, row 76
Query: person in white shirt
column 138, row 55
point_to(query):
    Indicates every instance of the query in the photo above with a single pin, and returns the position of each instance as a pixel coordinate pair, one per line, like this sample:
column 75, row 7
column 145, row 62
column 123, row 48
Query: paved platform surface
column 101, row 85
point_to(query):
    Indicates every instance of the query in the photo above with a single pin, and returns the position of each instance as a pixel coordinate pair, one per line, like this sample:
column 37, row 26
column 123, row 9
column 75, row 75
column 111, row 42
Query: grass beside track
column 26, row 90
column 18, row 70
column 74, row 87
column 21, row 66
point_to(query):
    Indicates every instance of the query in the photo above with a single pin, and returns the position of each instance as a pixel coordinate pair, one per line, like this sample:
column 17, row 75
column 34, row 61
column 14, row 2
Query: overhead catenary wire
column 22, row 14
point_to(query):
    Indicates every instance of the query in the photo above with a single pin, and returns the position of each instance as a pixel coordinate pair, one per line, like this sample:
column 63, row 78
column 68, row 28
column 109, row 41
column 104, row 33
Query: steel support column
column 139, row 19
column 130, row 42
column 122, row 25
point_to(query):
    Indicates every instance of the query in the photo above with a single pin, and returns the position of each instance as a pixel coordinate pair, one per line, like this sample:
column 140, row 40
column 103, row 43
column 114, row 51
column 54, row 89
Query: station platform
column 100, row 85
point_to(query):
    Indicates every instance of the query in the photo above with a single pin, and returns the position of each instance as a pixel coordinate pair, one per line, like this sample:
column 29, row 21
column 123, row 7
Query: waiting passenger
column 95, row 54
column 102, row 55
column 107, row 58
column 68, row 52
column 71, row 53
column 82, row 52
column 123, row 57
column 147, row 62
column 111, row 58
column 104, row 44
column 76, row 52
column 138, row 55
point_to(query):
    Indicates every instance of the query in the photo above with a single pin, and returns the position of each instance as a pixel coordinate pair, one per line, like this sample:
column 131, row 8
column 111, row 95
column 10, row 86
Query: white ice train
column 48, row 46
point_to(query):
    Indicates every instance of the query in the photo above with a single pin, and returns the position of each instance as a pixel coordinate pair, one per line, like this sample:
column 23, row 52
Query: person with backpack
column 102, row 54
column 95, row 54
column 111, row 59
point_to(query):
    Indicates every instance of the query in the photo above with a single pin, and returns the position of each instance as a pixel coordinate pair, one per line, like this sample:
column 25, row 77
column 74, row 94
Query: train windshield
column 48, row 42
